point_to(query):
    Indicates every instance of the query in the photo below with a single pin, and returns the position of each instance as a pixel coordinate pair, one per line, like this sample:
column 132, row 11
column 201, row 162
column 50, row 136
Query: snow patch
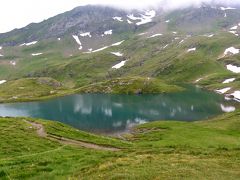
column 145, row 18
column 227, row 8
column 234, row 32
column 174, row 32
column 155, row 35
column 233, row 68
column 236, row 95
column 191, row 49
column 117, row 54
column 2, row 81
column 86, row 34
column 234, row 28
column 165, row 46
column 118, row 19
column 227, row 108
column 129, row 22
column 37, row 54
column 223, row 91
column 229, row 80
column 144, row 21
column 29, row 44
column 209, row 35
column 150, row 13
column 141, row 34
column 1, row 55
column 119, row 65
column 0, row 47
column 109, row 32
column 182, row 41
column 198, row 80
column 59, row 39
column 231, row 50
column 167, row 21
column 132, row 17
column 101, row 49
column 78, row 41
column 118, row 43
column 227, row 98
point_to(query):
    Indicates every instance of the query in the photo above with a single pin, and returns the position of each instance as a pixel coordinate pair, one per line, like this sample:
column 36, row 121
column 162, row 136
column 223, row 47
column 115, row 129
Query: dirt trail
column 40, row 129
column 42, row 133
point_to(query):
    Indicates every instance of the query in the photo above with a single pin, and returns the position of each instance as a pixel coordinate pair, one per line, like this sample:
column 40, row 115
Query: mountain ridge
column 180, row 46
column 97, row 19
column 94, row 19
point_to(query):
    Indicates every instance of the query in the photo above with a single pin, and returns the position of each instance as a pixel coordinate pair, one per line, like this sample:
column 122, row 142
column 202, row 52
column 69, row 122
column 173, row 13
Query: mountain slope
column 205, row 19
column 77, row 48
column 158, row 150
column 94, row 19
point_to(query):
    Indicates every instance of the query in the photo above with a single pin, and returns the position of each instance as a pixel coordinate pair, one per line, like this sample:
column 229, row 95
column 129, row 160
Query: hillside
column 169, row 150
column 122, row 44
column 97, row 49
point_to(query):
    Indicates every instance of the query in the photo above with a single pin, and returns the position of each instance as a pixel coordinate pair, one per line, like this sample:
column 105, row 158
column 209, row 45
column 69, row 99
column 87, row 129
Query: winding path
column 42, row 133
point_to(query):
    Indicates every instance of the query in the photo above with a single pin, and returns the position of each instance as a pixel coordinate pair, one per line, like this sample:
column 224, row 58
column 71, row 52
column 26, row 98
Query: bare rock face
column 94, row 19
column 204, row 19
column 98, row 19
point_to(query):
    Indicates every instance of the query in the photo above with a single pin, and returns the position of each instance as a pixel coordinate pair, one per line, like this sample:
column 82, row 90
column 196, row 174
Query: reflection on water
column 115, row 113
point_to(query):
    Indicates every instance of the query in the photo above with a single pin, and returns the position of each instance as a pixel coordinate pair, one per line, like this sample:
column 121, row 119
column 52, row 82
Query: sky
column 19, row 13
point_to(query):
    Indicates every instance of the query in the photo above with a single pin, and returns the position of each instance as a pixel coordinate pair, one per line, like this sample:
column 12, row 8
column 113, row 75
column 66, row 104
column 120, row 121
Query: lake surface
column 104, row 113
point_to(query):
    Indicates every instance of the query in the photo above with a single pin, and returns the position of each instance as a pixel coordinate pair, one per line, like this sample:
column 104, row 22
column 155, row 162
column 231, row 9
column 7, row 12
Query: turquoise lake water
column 105, row 113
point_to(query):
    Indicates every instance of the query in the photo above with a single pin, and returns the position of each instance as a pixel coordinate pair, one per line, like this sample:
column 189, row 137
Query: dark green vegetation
column 163, row 150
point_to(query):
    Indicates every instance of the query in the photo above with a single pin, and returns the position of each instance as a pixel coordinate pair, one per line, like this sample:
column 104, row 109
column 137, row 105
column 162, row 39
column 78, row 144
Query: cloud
column 19, row 13
column 166, row 4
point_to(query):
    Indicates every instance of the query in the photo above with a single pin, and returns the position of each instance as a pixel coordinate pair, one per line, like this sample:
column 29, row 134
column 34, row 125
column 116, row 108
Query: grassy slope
column 146, row 58
column 174, row 65
column 25, row 155
column 175, row 150
column 170, row 150
column 130, row 85
column 28, row 89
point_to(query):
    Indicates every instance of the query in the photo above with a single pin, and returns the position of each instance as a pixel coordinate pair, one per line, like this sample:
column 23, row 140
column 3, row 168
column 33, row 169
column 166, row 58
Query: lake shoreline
column 115, row 114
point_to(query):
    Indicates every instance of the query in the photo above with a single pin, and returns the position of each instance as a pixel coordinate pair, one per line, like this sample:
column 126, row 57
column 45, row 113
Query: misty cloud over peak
column 24, row 12
column 166, row 4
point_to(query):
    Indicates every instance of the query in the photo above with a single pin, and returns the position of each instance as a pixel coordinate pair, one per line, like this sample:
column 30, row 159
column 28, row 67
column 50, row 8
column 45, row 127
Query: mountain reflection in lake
column 104, row 113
